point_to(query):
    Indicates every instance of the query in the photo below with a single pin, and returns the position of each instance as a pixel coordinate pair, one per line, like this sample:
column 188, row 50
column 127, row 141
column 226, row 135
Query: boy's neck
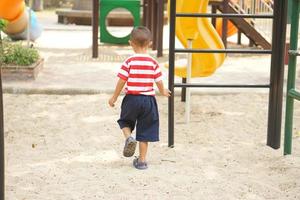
column 141, row 50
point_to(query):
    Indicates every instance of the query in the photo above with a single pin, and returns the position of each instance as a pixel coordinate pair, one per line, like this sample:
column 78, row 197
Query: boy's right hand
column 166, row 93
column 112, row 101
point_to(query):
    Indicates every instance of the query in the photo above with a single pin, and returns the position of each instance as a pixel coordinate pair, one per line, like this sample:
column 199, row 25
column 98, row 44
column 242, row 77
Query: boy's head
column 141, row 36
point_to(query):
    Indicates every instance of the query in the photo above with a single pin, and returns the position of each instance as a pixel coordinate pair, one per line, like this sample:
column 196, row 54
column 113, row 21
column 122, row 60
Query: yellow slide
column 204, row 36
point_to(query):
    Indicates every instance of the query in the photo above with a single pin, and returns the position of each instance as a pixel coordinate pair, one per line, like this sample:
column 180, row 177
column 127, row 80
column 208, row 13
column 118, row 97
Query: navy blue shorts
column 140, row 111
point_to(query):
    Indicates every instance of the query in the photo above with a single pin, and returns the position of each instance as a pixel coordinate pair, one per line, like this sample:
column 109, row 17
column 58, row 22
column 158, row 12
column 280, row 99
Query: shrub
column 16, row 54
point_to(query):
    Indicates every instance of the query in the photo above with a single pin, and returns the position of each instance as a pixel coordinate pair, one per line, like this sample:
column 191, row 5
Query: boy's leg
column 143, row 147
column 126, row 132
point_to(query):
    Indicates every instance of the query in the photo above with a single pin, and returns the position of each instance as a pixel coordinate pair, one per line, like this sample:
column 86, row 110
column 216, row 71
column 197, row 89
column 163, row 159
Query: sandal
column 139, row 165
column 129, row 148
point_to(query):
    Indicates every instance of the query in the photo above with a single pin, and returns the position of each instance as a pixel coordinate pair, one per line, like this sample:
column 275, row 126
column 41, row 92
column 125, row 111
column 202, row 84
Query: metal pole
column 160, row 28
column 95, row 23
column 171, row 73
column 291, row 78
column 277, row 74
column 29, row 23
column 154, row 24
column 183, row 91
column 2, row 147
column 214, row 20
column 188, row 80
column 145, row 2
column 225, row 23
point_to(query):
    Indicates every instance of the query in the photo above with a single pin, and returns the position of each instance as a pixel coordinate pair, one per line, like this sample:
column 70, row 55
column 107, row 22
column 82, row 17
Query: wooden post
column 95, row 23
column 160, row 28
column 225, row 23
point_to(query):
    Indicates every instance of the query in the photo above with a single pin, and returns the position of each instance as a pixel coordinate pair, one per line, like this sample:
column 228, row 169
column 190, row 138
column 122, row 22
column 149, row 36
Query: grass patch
column 16, row 54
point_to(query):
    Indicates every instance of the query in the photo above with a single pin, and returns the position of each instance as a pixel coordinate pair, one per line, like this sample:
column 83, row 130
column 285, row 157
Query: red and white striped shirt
column 140, row 71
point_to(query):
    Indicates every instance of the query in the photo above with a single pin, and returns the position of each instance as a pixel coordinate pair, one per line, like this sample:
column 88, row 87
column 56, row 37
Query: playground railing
column 292, row 93
column 264, row 26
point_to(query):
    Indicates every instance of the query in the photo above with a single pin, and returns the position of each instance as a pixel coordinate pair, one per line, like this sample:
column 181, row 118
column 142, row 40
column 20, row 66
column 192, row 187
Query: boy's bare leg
column 126, row 132
column 143, row 146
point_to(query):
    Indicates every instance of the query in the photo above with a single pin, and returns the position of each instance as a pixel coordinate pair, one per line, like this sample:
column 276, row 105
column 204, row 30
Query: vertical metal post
column 171, row 73
column 225, row 23
column 277, row 74
column 2, row 146
column 160, row 27
column 145, row 6
column 183, row 91
column 95, row 23
column 188, row 80
column 239, row 37
column 29, row 23
column 2, row 149
column 214, row 11
column 291, row 78
column 154, row 24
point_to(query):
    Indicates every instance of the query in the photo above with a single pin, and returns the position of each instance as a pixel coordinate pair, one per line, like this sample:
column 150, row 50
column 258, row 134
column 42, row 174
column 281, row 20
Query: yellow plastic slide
column 204, row 36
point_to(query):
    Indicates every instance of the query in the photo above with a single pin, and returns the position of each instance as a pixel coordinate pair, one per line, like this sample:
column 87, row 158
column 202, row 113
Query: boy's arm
column 118, row 89
column 162, row 90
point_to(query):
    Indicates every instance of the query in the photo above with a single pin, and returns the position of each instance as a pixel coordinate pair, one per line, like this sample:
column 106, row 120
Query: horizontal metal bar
column 294, row 94
column 241, row 51
column 294, row 53
column 215, row 15
column 194, row 85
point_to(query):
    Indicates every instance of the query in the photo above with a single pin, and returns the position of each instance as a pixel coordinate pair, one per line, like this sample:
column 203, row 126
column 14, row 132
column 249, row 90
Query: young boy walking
column 139, row 108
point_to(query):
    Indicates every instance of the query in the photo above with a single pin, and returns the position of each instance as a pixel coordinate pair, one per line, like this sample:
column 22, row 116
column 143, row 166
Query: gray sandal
column 129, row 148
column 139, row 165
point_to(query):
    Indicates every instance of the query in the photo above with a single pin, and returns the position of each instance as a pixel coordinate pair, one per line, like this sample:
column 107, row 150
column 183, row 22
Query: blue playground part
column 35, row 29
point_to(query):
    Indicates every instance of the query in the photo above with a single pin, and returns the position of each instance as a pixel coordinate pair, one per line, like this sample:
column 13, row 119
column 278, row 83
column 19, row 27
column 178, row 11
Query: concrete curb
column 54, row 91
column 81, row 91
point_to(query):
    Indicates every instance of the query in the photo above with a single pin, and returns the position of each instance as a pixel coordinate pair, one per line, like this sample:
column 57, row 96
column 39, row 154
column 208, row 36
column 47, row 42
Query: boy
column 139, row 108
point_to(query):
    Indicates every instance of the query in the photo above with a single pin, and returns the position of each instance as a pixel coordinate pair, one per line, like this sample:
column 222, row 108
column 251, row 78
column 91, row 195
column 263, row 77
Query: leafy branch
column 3, row 24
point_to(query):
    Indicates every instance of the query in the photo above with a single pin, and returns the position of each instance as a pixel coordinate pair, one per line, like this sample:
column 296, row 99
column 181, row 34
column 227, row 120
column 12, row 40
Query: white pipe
column 188, row 80
column 29, row 23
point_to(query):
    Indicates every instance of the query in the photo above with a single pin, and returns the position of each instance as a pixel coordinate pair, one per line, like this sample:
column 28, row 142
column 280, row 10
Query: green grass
column 16, row 54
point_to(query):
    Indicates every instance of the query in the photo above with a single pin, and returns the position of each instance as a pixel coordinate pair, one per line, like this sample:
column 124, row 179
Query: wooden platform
column 84, row 17
column 69, row 16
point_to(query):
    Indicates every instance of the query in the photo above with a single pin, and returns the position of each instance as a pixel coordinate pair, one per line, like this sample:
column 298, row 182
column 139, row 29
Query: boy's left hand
column 112, row 101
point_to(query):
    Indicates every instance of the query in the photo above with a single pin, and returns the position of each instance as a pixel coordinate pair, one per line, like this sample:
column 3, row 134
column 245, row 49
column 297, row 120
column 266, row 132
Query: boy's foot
column 139, row 165
column 129, row 147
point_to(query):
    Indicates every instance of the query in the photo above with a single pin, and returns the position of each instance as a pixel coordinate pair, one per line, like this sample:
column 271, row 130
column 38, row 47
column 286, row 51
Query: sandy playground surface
column 69, row 148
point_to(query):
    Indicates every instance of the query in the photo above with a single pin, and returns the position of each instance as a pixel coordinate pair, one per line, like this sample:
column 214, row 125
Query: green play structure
column 292, row 93
column 133, row 6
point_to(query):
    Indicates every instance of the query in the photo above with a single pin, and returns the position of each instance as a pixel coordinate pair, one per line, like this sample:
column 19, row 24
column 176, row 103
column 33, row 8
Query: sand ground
column 61, row 147
column 69, row 148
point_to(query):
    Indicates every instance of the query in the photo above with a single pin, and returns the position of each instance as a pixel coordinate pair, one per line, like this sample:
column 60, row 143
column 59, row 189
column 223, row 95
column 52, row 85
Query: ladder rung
column 294, row 53
column 242, row 51
column 294, row 94
column 193, row 85
column 260, row 16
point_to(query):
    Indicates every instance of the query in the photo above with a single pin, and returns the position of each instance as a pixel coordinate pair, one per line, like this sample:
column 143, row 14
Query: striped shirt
column 140, row 71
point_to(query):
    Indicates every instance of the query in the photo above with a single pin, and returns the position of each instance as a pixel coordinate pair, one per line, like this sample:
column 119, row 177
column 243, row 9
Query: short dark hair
column 141, row 36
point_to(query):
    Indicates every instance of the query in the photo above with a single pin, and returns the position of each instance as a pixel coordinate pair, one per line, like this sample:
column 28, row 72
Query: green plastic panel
column 133, row 6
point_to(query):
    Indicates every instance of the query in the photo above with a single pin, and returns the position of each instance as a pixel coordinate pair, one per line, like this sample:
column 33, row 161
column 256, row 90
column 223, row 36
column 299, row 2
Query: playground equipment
column 15, row 12
column 231, row 29
column 133, row 6
column 292, row 94
column 259, row 31
column 203, row 35
column 279, row 19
